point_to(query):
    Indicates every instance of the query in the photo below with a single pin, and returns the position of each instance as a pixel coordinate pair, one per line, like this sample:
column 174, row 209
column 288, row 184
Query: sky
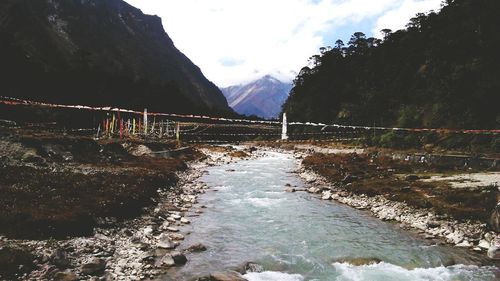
column 237, row 41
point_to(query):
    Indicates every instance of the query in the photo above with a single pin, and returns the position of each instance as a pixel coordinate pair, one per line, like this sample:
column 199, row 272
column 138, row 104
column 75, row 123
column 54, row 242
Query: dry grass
column 382, row 176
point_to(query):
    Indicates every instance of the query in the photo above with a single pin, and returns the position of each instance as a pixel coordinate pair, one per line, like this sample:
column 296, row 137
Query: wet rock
column 94, row 267
column 165, row 242
column 179, row 258
column 253, row 267
column 172, row 229
column 176, row 236
column 313, row 190
column 196, row 248
column 167, row 261
column 185, row 221
column 326, row 195
column 494, row 252
column 227, row 276
column 483, row 244
column 359, row 261
column 290, row 189
column 65, row 276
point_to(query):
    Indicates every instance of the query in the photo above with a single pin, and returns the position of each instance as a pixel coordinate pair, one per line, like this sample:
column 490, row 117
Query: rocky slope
column 262, row 98
column 98, row 52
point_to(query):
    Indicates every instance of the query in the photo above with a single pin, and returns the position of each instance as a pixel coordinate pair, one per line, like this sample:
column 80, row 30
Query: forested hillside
column 443, row 70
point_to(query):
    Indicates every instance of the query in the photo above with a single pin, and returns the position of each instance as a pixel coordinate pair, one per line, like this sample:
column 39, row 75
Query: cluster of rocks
column 468, row 234
column 145, row 247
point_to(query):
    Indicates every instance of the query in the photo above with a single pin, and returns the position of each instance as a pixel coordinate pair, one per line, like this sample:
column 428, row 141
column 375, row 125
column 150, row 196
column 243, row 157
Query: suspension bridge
column 113, row 122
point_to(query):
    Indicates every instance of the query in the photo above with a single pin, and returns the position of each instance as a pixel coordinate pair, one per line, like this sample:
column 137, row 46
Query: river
column 296, row 236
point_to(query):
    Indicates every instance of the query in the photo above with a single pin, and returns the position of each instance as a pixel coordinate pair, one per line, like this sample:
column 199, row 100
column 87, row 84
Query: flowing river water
column 296, row 236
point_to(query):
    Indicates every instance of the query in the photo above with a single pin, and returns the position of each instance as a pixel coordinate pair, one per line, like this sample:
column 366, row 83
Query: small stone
column 179, row 258
column 176, row 236
column 148, row 230
column 65, row 276
column 494, row 252
column 433, row 224
column 185, row 221
column 165, row 225
column 176, row 217
column 167, row 260
column 196, row 248
column 96, row 266
column 165, row 242
column 171, row 219
column 484, row 244
column 172, row 229
column 326, row 195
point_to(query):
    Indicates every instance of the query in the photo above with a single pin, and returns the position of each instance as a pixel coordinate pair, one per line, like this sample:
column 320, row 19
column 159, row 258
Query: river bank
column 76, row 208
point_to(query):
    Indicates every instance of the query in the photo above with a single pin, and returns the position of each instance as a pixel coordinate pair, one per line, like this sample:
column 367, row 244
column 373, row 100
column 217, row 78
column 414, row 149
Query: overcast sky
column 236, row 41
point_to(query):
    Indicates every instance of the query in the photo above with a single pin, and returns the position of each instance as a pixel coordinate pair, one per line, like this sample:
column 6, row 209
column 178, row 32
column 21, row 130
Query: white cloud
column 398, row 17
column 234, row 41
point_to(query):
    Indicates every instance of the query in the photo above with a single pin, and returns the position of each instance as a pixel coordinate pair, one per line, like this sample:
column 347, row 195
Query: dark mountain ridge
column 263, row 97
column 98, row 52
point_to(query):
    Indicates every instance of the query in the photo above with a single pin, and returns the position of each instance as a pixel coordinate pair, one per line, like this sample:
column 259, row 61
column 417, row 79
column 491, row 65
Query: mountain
column 102, row 52
column 441, row 71
column 263, row 97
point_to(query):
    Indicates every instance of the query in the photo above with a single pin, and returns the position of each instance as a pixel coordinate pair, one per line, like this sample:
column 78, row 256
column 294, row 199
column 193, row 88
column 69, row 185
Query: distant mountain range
column 263, row 97
column 98, row 52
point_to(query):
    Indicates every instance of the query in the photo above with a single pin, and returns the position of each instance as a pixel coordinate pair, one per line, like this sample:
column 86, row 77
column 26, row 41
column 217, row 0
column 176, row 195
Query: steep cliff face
column 98, row 52
column 262, row 98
